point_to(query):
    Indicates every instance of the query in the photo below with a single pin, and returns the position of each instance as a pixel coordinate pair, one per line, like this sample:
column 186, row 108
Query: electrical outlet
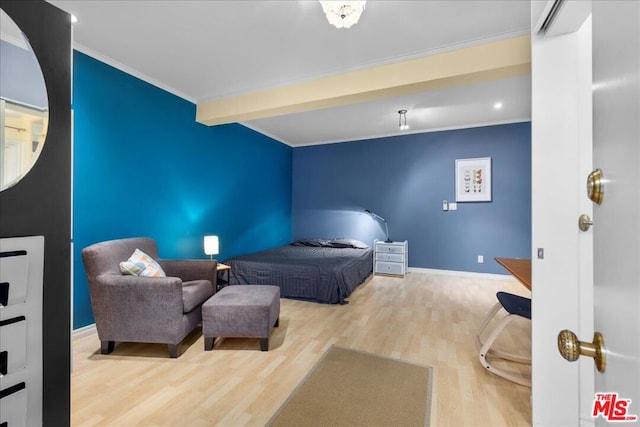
column 480, row 259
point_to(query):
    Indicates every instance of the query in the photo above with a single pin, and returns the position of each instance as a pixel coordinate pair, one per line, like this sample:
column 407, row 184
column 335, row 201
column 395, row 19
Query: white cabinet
column 21, row 280
column 390, row 257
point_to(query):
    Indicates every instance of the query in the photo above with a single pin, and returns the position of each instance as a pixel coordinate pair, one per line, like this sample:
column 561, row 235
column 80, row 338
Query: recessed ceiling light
column 497, row 106
column 74, row 19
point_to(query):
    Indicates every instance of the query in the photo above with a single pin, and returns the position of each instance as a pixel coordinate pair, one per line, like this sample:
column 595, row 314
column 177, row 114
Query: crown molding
column 410, row 132
column 131, row 71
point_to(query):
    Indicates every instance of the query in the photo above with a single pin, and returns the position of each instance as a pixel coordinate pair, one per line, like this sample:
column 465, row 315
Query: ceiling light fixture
column 497, row 106
column 343, row 14
column 402, row 120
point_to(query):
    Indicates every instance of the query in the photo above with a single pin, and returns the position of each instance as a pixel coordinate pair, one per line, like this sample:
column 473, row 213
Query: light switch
column 453, row 206
column 445, row 205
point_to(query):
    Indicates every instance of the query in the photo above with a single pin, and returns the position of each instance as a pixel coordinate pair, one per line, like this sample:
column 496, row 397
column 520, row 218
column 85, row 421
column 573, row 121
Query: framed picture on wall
column 473, row 180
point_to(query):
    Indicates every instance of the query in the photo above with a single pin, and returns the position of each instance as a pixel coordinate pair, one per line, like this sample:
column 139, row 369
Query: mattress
column 322, row 274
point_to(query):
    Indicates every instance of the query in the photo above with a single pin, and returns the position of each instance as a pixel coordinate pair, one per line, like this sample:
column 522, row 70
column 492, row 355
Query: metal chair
column 516, row 306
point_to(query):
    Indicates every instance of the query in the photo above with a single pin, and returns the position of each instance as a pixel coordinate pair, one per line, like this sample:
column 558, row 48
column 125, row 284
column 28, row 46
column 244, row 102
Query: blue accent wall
column 143, row 167
column 404, row 179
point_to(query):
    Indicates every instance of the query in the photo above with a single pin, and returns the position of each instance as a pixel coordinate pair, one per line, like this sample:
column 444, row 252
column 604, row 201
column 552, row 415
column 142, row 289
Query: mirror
column 24, row 106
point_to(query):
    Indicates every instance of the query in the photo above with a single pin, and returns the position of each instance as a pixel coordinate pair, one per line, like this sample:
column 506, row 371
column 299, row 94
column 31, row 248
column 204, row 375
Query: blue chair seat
column 515, row 304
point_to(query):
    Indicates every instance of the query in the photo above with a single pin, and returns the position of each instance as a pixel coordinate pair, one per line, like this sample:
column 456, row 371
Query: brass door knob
column 571, row 348
column 595, row 187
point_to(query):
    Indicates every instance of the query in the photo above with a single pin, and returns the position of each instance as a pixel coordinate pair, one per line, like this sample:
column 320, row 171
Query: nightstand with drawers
column 390, row 257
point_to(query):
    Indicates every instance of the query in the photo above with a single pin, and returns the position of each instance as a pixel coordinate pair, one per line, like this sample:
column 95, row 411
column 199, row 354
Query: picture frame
column 473, row 180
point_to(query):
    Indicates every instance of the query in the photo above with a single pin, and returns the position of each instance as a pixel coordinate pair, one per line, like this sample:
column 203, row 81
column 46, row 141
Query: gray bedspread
column 320, row 274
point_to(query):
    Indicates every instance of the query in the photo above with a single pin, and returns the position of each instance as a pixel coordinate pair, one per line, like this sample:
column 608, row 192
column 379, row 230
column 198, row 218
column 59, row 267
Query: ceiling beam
column 496, row 60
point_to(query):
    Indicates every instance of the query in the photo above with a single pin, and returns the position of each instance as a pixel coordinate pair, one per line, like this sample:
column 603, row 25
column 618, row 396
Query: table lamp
column 383, row 220
column 211, row 246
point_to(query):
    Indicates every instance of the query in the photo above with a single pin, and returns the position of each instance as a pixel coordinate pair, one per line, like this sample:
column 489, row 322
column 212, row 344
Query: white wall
column 563, row 280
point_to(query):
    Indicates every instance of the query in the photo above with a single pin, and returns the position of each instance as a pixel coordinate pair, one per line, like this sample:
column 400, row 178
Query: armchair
column 145, row 309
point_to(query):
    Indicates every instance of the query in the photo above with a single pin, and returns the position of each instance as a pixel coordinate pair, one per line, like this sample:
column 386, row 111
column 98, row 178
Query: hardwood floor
column 426, row 318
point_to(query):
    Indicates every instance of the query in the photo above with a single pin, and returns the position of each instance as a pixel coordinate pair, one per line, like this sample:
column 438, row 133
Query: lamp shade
column 211, row 245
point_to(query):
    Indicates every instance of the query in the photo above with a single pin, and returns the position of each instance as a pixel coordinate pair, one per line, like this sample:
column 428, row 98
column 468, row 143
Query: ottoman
column 249, row 311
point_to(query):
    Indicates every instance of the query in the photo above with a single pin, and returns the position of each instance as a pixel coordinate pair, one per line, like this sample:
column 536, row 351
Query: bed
column 325, row 271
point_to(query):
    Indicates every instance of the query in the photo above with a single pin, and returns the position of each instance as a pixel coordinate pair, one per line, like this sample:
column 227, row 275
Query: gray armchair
column 145, row 309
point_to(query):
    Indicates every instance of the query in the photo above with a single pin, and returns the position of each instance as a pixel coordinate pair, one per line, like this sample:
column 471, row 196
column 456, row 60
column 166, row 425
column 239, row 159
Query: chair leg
column 485, row 347
column 490, row 315
column 107, row 347
column 173, row 350
column 208, row 343
column 264, row 344
column 518, row 379
column 492, row 352
column 485, row 351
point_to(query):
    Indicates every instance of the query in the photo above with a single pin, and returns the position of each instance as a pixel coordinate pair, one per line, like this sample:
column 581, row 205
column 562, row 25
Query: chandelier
column 343, row 14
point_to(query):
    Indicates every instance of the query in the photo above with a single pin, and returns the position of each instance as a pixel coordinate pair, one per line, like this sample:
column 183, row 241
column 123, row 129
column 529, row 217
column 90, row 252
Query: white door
column 616, row 150
column 561, row 158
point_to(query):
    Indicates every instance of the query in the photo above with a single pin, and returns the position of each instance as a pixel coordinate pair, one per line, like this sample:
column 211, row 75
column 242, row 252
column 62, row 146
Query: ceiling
column 211, row 51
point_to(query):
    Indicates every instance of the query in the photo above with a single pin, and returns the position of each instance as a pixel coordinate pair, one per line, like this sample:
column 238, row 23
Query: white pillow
column 141, row 264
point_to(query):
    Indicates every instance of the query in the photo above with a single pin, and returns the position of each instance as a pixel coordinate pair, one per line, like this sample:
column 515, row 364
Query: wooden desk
column 520, row 268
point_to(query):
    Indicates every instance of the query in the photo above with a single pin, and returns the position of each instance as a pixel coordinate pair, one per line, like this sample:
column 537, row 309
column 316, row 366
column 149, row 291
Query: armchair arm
column 191, row 269
column 133, row 308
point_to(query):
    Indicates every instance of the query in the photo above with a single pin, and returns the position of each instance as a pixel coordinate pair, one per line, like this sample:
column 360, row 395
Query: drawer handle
column 12, row 320
column 4, row 294
column 8, row 254
column 11, row 390
column 4, row 362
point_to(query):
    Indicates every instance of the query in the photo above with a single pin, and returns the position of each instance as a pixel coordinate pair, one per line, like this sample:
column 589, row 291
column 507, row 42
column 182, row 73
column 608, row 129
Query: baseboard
column 460, row 273
column 84, row 331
